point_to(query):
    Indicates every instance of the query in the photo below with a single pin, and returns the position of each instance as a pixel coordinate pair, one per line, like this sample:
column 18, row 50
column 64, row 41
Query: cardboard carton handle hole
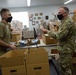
column 13, row 71
column 36, row 68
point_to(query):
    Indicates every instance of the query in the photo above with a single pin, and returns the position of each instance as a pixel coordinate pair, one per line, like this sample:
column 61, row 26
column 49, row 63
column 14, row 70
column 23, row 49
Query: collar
column 3, row 21
column 64, row 19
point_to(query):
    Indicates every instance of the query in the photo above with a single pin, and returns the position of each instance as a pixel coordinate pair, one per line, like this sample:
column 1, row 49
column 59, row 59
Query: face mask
column 60, row 17
column 9, row 19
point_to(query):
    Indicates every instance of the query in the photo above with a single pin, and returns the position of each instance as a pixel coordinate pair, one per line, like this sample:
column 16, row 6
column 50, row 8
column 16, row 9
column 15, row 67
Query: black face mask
column 9, row 19
column 60, row 17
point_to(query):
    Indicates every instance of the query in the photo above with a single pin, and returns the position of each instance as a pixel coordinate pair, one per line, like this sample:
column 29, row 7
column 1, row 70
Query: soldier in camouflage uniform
column 66, row 38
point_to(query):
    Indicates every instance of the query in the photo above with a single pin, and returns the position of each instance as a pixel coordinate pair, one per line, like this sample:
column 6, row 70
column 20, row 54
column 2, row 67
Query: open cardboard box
column 36, row 55
column 20, row 56
column 32, row 61
column 12, row 58
column 37, row 61
column 48, row 40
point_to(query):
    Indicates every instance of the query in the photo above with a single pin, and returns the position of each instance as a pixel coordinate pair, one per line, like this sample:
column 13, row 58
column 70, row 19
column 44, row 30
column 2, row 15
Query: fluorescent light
column 68, row 1
column 28, row 3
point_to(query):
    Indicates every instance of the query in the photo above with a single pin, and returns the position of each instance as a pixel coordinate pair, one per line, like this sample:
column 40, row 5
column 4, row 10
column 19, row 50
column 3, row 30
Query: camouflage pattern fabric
column 66, row 37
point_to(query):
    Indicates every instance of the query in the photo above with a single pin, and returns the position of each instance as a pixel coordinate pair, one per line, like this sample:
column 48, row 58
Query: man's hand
column 54, row 28
column 45, row 30
column 12, row 47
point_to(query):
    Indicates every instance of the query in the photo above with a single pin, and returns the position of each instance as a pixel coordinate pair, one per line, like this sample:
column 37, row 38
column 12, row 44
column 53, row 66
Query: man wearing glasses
column 66, row 40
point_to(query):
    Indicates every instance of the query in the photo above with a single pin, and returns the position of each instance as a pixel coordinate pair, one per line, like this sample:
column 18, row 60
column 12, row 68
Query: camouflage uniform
column 66, row 46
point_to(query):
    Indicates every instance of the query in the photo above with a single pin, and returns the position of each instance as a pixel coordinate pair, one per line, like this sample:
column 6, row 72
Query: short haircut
column 65, row 8
column 3, row 11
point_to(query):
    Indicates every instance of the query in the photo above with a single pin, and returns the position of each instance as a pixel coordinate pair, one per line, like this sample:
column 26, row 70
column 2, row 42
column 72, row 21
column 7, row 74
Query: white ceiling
column 23, row 3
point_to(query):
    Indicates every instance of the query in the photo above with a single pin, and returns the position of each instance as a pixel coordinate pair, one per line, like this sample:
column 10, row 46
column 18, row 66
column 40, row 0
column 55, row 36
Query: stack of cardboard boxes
column 16, row 37
column 37, row 61
column 33, row 61
column 17, row 28
column 12, row 63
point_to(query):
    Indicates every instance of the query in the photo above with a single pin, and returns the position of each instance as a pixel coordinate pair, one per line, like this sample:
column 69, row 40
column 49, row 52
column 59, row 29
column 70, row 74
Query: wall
column 47, row 10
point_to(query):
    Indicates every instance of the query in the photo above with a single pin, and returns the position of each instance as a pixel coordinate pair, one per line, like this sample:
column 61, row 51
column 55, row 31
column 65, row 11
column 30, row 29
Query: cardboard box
column 37, row 61
column 15, row 70
column 12, row 58
column 36, row 55
column 38, row 69
column 16, row 37
column 54, row 51
column 48, row 40
column 55, row 54
column 33, row 61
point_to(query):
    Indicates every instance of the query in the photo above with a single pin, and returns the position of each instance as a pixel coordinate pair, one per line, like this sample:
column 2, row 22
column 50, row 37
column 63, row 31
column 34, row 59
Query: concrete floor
column 53, row 71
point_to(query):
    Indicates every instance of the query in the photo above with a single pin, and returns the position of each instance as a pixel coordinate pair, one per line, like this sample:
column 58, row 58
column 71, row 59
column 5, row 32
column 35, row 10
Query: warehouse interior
column 36, row 52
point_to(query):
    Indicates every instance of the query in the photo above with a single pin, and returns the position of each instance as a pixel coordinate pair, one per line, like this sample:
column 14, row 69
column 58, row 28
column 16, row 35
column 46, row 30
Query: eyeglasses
column 61, row 12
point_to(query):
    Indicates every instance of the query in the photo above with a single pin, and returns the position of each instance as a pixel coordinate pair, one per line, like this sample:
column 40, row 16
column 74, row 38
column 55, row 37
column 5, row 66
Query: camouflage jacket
column 65, row 35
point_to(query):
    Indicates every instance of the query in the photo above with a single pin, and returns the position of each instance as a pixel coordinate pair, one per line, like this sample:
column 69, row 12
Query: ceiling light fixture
column 68, row 1
column 28, row 3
